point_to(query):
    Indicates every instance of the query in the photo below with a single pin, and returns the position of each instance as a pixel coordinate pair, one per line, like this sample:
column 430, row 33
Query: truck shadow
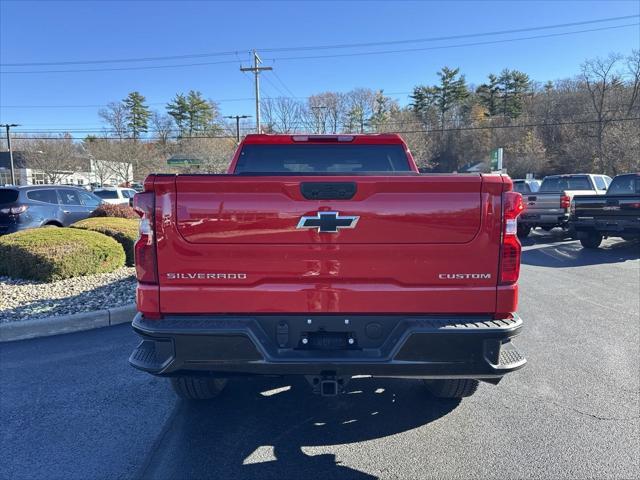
column 568, row 254
column 260, row 428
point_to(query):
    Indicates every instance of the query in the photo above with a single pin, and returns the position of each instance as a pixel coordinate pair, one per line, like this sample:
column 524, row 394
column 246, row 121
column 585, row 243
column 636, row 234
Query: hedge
column 119, row 211
column 122, row 230
column 52, row 253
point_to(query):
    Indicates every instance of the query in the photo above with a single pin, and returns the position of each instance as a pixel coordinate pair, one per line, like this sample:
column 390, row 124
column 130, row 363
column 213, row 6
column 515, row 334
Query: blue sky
column 58, row 31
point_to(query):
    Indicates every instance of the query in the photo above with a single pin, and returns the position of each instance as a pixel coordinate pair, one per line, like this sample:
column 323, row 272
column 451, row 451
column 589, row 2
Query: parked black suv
column 36, row 206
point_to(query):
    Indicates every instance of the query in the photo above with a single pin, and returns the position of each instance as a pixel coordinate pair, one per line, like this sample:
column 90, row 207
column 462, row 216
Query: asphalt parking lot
column 72, row 408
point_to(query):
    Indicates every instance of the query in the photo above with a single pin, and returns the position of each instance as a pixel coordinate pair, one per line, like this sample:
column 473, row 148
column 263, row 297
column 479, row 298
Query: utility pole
column 238, row 117
column 256, row 69
column 13, row 171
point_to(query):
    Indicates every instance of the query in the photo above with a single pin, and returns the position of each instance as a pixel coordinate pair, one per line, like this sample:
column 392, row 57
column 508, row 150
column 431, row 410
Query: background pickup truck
column 328, row 257
column 616, row 214
column 550, row 206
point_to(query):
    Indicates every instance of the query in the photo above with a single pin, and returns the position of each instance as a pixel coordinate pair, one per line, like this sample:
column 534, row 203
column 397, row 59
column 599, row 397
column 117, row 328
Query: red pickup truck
column 327, row 256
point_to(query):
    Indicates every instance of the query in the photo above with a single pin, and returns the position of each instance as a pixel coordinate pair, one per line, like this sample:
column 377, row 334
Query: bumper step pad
column 509, row 356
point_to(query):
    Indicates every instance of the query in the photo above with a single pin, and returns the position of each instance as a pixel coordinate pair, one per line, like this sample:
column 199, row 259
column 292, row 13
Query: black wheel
column 452, row 388
column 590, row 239
column 198, row 388
column 523, row 231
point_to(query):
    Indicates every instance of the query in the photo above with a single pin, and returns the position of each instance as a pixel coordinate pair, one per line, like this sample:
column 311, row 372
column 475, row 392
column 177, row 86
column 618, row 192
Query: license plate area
column 323, row 340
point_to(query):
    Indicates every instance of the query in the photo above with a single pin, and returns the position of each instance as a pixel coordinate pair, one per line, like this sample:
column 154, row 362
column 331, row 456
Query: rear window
column 559, row 184
column 521, row 187
column 625, row 185
column 46, row 196
column 315, row 159
column 8, row 195
column 600, row 183
column 109, row 194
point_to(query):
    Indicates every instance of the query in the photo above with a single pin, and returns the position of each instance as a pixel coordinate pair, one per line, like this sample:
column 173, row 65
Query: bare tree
column 336, row 109
column 282, row 114
column 54, row 156
column 212, row 154
column 361, row 102
column 633, row 71
column 116, row 117
column 601, row 80
column 162, row 126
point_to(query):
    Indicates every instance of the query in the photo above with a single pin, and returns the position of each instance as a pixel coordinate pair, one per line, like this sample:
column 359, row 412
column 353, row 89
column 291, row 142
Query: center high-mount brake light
column 511, row 248
column 145, row 247
column 322, row 138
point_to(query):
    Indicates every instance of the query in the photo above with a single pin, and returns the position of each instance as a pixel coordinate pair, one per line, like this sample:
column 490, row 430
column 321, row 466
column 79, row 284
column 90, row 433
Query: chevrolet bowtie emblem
column 328, row 222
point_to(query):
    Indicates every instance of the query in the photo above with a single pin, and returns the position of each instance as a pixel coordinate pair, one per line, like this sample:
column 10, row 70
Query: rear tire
column 590, row 239
column 523, row 231
column 198, row 388
column 452, row 388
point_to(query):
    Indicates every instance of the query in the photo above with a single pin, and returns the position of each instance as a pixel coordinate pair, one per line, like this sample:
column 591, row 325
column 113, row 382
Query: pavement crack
column 563, row 406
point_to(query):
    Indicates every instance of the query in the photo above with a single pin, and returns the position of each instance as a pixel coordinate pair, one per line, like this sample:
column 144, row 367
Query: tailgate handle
column 532, row 199
column 328, row 190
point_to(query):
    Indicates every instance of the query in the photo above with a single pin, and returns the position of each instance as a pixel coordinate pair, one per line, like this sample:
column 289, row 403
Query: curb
column 45, row 327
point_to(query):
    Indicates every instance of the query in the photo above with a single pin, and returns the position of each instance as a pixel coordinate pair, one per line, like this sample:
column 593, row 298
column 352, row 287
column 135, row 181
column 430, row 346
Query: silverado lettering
column 352, row 256
column 200, row 276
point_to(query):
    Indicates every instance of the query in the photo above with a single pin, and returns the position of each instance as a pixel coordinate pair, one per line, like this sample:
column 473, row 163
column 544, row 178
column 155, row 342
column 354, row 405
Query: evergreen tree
column 200, row 112
column 488, row 95
column 178, row 109
column 137, row 114
column 515, row 85
column 193, row 113
column 505, row 94
column 444, row 97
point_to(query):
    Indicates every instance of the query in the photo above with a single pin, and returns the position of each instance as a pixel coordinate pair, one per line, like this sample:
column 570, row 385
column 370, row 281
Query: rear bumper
column 613, row 227
column 543, row 219
column 391, row 346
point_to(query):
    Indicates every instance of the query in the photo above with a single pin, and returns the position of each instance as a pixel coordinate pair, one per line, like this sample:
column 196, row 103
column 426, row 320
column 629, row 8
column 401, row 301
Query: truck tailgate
column 537, row 203
column 232, row 244
column 250, row 210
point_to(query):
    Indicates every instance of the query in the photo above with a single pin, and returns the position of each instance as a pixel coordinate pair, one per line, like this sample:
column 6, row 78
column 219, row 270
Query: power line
column 442, row 47
column 113, row 69
column 319, row 47
column 337, row 55
column 451, row 37
column 283, row 84
column 220, row 100
column 433, row 130
column 279, row 90
column 249, row 126
column 53, row 130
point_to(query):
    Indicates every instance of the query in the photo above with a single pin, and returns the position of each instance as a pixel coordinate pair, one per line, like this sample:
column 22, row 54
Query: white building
column 89, row 171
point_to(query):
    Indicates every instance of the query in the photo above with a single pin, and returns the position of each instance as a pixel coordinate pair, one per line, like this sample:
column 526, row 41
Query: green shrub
column 123, row 230
column 52, row 253
column 119, row 211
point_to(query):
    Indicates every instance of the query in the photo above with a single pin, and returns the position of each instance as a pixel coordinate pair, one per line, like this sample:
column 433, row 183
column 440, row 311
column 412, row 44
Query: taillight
column 14, row 210
column 565, row 201
column 511, row 248
column 145, row 247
